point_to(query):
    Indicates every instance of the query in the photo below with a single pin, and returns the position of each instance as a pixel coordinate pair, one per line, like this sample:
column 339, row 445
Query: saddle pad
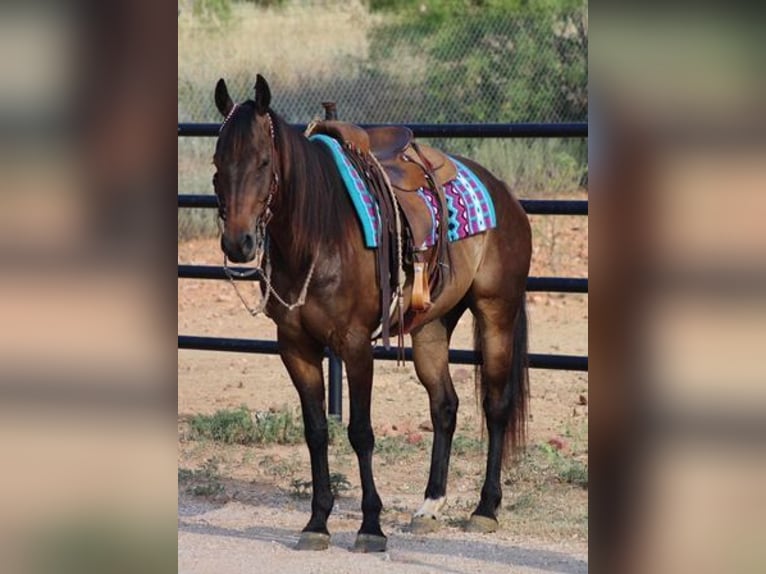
column 364, row 203
column 470, row 210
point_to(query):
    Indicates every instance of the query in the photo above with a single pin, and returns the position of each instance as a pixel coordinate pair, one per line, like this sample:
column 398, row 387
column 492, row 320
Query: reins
column 265, row 277
column 262, row 254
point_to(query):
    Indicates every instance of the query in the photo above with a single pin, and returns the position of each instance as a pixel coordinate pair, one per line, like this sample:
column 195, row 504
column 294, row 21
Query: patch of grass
column 544, row 463
column 246, row 427
column 280, row 427
column 300, row 488
column 536, row 168
column 575, row 472
column 226, row 426
column 337, row 434
column 204, row 481
column 339, row 484
column 394, row 448
column 463, row 445
column 279, row 467
column 241, row 426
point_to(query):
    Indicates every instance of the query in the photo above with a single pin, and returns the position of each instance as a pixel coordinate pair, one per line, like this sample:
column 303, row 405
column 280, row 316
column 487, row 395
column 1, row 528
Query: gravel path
column 238, row 538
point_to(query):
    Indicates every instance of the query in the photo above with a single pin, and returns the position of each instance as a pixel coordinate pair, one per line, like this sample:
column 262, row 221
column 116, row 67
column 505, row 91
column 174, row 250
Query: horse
column 273, row 182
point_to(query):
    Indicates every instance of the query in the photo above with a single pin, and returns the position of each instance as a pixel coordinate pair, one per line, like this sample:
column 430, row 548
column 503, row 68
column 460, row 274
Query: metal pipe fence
column 456, row 356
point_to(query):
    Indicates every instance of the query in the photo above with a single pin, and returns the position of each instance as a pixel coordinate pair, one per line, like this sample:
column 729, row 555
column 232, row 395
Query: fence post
column 335, row 387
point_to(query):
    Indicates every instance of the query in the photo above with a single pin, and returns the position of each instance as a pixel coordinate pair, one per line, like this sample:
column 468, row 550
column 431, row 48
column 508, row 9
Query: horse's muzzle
column 241, row 250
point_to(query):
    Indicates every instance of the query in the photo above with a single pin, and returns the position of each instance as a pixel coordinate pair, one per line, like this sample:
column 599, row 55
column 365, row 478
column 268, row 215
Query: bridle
column 265, row 217
column 262, row 255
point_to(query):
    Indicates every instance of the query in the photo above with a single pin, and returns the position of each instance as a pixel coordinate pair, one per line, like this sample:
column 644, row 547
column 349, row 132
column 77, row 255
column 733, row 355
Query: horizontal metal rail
column 531, row 206
column 515, row 130
column 557, row 284
column 456, row 356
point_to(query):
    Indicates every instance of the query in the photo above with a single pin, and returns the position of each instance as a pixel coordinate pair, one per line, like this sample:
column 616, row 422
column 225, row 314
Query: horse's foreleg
column 431, row 355
column 303, row 359
column 359, row 366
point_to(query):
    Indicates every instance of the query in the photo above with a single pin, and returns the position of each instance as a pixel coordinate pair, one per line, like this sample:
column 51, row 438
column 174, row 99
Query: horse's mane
column 311, row 200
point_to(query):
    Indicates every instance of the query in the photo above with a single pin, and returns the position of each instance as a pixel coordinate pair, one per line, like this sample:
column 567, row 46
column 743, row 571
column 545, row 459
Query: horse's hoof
column 313, row 541
column 424, row 524
column 369, row 543
column 482, row 524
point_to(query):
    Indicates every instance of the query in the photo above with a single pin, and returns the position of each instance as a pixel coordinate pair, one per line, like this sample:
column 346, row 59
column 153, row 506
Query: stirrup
column 421, row 293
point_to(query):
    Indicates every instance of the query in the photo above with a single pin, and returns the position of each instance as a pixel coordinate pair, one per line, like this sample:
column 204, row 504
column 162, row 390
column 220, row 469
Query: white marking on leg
column 431, row 507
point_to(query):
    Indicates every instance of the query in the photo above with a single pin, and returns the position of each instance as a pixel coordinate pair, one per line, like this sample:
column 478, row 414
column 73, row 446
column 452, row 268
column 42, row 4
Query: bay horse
column 272, row 181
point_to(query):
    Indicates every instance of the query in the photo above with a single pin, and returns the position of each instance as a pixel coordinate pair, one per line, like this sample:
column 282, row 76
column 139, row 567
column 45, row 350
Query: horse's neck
column 297, row 188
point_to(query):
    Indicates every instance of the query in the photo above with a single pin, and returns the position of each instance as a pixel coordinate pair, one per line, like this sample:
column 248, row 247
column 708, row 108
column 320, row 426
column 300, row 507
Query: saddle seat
column 409, row 166
column 405, row 164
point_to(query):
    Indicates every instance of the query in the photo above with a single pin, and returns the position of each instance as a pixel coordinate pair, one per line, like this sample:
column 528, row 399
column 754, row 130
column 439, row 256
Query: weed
column 226, row 426
column 394, row 448
column 562, row 467
column 204, row 481
column 337, row 434
column 280, row 468
column 185, row 474
column 241, row 426
column 339, row 483
column 544, row 463
column 463, row 445
column 300, row 488
column 280, row 427
column 575, row 472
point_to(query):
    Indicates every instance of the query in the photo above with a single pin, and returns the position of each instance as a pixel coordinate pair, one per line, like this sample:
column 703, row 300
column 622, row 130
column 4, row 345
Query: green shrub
column 243, row 426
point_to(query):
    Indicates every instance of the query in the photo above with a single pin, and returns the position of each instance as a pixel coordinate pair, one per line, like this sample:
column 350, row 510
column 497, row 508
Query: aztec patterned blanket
column 469, row 205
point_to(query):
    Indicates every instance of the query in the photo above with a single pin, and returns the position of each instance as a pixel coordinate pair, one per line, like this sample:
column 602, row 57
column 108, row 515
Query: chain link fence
column 469, row 61
column 433, row 61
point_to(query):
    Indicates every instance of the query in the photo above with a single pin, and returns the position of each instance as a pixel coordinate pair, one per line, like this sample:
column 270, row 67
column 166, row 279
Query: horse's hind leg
column 502, row 327
column 357, row 356
column 303, row 359
column 431, row 356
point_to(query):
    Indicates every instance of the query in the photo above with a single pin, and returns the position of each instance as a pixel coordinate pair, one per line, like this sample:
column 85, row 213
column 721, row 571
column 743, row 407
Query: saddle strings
column 397, row 303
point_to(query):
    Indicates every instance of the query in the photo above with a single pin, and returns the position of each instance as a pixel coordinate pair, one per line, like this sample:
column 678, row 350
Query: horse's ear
column 262, row 95
column 222, row 99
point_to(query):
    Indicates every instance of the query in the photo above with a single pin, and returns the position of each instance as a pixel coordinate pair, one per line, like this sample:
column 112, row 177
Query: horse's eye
column 264, row 163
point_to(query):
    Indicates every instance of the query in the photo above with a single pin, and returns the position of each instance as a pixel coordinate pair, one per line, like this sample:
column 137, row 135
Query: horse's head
column 246, row 177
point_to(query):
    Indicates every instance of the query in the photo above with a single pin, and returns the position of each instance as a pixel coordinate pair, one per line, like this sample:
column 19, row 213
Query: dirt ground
column 251, row 522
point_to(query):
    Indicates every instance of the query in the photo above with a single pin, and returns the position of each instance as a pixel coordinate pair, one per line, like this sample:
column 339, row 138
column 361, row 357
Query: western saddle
column 395, row 167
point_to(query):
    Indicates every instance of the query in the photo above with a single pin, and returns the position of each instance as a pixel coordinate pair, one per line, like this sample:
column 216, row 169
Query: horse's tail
column 516, row 390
